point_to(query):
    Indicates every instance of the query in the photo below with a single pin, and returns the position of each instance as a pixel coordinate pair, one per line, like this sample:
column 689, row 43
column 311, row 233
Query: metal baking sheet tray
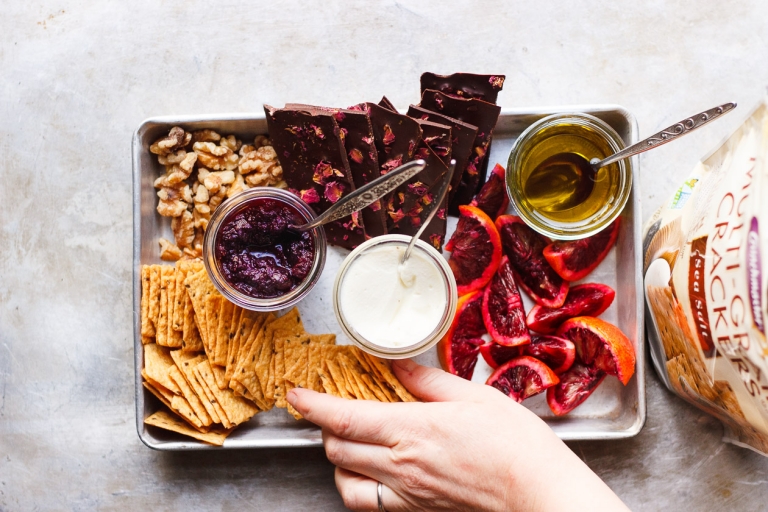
column 612, row 412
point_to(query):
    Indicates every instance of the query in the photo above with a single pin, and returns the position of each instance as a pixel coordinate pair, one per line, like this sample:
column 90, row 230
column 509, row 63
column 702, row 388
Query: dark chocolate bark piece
column 464, row 85
column 408, row 221
column 437, row 136
column 462, row 141
column 311, row 152
column 479, row 113
column 387, row 104
column 361, row 153
column 396, row 137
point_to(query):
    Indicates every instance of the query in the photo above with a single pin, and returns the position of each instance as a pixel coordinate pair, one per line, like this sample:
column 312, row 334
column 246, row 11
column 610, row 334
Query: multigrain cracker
column 154, row 294
column 182, row 407
column 222, row 333
column 237, row 409
column 173, row 337
column 161, row 330
column 147, row 327
column 178, row 301
column 211, row 396
column 157, row 362
column 186, row 364
column 166, row 421
column 194, row 401
column 213, row 304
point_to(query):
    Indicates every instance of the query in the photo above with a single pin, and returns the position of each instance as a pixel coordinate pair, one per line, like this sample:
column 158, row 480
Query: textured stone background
column 76, row 78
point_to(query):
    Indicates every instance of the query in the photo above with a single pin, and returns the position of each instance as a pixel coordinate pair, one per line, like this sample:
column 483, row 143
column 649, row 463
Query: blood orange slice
column 492, row 197
column 522, row 377
column 496, row 355
column 459, row 347
column 503, row 311
column 475, row 250
column 601, row 345
column 557, row 353
column 574, row 387
column 525, row 247
column 589, row 299
column 575, row 259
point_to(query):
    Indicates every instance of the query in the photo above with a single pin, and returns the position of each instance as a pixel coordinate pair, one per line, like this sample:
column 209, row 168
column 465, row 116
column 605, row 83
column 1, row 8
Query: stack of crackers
column 216, row 365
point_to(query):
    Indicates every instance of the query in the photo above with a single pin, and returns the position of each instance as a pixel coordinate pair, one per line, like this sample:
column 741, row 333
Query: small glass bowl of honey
column 549, row 186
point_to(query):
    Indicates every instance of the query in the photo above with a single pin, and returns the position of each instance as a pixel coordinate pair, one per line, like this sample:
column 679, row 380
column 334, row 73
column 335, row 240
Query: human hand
column 466, row 447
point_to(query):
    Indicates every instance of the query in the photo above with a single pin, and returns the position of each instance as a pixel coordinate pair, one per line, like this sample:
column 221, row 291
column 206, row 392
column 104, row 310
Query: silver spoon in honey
column 570, row 177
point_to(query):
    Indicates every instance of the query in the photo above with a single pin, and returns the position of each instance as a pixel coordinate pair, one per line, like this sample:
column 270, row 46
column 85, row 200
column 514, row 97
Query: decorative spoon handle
column 438, row 201
column 366, row 194
column 668, row 134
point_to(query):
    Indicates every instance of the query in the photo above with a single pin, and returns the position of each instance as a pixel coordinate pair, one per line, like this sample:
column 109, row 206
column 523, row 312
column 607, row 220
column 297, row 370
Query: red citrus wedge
column 575, row 259
column 574, row 387
column 525, row 247
column 496, row 355
column 601, row 345
column 503, row 311
column 475, row 250
column 492, row 197
column 589, row 299
column 522, row 377
column 459, row 347
column 557, row 353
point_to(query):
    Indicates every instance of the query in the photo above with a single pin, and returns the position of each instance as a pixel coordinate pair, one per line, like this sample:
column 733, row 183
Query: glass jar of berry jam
column 252, row 257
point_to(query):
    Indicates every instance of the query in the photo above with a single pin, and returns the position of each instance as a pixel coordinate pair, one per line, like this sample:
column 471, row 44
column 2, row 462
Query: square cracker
column 234, row 331
column 180, row 405
column 327, row 381
column 247, row 375
column 161, row 329
column 211, row 397
column 173, row 337
column 388, row 378
column 157, row 362
column 153, row 308
column 194, row 401
column 179, row 293
column 198, row 290
column 213, row 305
column 147, row 327
column 354, row 375
column 186, row 363
column 238, row 410
column 222, row 333
column 166, row 421
column 333, row 370
column 250, row 323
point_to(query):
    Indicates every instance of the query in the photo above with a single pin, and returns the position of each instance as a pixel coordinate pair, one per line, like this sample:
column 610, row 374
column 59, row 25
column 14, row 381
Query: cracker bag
column 705, row 290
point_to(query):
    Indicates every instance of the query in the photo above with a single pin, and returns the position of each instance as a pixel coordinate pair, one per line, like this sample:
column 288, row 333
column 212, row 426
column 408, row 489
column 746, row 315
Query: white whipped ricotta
column 390, row 308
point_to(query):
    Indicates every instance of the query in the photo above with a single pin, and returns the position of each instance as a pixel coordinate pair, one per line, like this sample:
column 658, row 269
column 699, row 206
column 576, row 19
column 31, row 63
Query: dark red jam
column 258, row 256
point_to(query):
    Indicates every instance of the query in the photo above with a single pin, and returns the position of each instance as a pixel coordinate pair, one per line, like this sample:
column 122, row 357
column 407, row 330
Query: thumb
column 433, row 384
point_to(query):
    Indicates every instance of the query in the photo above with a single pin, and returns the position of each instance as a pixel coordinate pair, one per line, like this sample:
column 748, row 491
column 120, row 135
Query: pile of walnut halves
column 202, row 168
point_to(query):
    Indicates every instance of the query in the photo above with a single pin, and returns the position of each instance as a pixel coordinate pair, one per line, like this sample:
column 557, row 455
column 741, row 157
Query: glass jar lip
column 415, row 348
column 540, row 223
column 237, row 297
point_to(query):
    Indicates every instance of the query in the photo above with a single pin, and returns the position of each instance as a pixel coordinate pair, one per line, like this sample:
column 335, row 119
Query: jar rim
column 239, row 201
column 416, row 348
column 540, row 223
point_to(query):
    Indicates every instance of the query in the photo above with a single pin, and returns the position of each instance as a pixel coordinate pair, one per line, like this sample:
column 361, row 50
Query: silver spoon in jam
column 364, row 195
column 565, row 180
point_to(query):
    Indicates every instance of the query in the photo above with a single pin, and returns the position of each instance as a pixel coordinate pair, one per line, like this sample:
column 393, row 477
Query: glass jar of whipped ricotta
column 394, row 312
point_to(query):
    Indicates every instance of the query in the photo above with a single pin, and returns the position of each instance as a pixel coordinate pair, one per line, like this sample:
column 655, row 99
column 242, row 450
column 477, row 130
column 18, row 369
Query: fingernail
column 404, row 364
column 292, row 397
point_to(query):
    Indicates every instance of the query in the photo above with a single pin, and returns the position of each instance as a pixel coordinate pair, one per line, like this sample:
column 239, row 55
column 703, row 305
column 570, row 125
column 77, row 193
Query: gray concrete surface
column 76, row 78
